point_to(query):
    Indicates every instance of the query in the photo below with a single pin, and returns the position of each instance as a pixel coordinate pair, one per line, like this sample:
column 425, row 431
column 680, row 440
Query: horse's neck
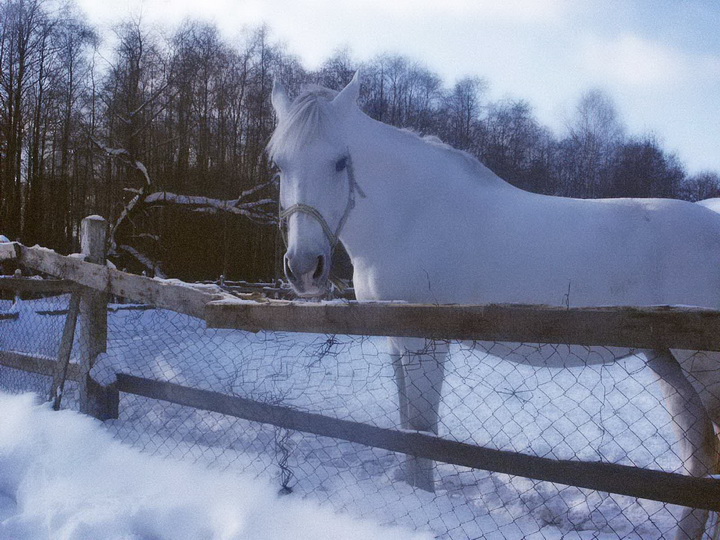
column 405, row 179
column 429, row 166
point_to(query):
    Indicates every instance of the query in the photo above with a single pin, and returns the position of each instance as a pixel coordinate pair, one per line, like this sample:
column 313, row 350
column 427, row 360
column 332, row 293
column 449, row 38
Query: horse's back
column 630, row 251
column 713, row 204
column 512, row 246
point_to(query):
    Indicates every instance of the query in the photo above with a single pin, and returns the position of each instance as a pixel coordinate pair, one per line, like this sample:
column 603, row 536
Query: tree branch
column 262, row 211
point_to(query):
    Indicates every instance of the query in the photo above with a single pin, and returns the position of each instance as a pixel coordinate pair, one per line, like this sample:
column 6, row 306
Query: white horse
column 425, row 223
column 712, row 204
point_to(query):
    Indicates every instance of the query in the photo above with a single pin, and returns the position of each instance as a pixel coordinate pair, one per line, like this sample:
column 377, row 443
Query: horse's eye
column 341, row 164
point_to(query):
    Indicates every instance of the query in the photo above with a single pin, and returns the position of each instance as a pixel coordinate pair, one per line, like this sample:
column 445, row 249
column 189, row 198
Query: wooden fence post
column 96, row 400
column 63, row 359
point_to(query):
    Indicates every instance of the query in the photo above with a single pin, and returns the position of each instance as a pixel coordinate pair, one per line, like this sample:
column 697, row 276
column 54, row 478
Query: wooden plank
column 37, row 286
column 42, row 365
column 608, row 477
column 8, row 251
column 63, row 361
column 164, row 294
column 648, row 327
column 652, row 327
column 111, row 309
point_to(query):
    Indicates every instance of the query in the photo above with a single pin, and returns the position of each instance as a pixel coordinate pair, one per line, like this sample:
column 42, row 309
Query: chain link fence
column 594, row 404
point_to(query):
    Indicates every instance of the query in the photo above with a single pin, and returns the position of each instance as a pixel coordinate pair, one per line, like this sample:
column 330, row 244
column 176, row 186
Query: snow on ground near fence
column 63, row 476
column 597, row 413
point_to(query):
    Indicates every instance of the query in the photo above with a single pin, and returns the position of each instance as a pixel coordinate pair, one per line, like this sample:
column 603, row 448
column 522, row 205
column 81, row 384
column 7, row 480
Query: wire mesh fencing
column 578, row 403
column 33, row 328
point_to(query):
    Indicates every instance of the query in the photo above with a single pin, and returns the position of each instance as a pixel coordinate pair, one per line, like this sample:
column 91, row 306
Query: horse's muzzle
column 307, row 273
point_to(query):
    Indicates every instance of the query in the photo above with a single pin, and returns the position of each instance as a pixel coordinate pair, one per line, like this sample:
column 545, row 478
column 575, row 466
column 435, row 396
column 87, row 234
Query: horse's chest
column 371, row 284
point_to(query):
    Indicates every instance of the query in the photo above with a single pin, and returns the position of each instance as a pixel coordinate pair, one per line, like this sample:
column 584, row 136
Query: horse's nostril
column 320, row 268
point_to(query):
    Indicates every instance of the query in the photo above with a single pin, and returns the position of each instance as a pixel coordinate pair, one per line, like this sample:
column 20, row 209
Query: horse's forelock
column 307, row 118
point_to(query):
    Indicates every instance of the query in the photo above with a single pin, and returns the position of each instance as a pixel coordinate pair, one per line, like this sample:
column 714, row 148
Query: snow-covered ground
column 606, row 412
column 63, row 476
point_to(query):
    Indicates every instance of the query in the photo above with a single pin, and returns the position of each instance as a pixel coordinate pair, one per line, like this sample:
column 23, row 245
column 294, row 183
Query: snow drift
column 62, row 476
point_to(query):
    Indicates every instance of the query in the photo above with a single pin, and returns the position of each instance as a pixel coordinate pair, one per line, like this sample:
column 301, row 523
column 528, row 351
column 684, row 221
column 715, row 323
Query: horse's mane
column 472, row 163
column 309, row 116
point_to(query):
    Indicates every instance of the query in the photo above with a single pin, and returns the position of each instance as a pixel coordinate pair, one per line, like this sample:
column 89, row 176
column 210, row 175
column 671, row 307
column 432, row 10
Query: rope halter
column 332, row 236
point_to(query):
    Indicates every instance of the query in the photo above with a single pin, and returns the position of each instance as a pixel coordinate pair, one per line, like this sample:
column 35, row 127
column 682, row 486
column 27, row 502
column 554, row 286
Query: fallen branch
column 254, row 210
column 262, row 211
column 144, row 260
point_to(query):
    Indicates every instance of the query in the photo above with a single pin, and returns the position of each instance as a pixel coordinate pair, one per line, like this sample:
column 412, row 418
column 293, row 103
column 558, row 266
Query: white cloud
column 526, row 11
column 633, row 61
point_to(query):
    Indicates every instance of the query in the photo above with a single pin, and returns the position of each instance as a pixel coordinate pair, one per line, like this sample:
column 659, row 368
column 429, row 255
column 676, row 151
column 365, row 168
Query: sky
column 658, row 59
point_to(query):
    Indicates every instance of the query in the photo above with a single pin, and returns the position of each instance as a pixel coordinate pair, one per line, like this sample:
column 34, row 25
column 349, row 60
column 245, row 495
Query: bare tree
column 703, row 185
column 643, row 169
column 336, row 71
column 515, row 146
column 594, row 135
column 464, row 107
column 23, row 32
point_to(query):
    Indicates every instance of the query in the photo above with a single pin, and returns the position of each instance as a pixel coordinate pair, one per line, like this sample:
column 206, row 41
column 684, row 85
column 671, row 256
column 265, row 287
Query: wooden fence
column 92, row 281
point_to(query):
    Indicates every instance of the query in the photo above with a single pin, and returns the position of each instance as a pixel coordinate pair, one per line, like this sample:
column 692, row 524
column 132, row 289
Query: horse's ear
column 280, row 99
column 348, row 96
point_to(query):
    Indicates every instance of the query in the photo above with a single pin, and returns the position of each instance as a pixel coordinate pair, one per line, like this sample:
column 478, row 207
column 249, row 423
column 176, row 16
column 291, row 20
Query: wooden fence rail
column 621, row 479
column 41, row 365
column 640, row 328
column 648, row 327
column 619, row 326
column 37, row 286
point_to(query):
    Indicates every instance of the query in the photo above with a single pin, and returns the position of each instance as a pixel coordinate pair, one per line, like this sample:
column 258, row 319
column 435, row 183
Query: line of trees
column 165, row 137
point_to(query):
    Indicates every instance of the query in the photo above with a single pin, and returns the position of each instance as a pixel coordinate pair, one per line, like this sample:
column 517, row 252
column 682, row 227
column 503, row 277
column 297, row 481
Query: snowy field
column 64, row 476
column 608, row 412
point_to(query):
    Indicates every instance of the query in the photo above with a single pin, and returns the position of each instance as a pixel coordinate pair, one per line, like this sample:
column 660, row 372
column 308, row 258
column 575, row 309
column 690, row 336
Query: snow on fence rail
column 636, row 327
column 656, row 327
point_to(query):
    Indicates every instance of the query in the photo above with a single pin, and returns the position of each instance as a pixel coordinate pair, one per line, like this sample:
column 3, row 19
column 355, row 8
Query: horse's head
column 317, row 184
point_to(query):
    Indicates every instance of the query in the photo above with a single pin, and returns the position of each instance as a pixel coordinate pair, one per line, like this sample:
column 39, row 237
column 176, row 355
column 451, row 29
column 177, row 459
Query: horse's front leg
column 419, row 372
column 396, row 354
column 695, row 432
